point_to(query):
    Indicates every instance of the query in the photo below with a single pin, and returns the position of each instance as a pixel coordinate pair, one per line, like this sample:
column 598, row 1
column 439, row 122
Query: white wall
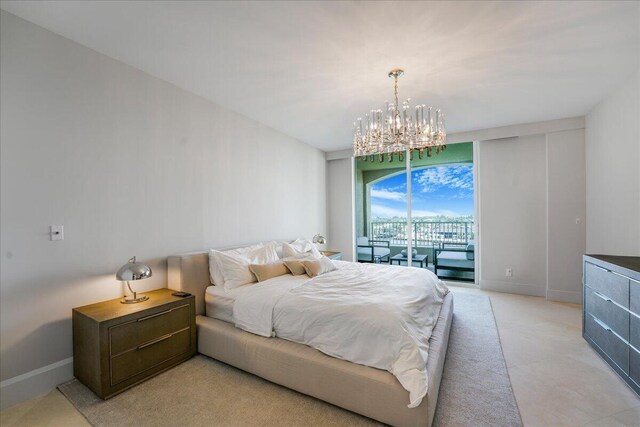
column 130, row 165
column 513, row 220
column 566, row 212
column 613, row 173
column 532, row 213
column 340, row 207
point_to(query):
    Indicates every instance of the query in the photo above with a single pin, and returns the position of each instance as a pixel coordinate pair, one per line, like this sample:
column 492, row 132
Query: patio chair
column 455, row 257
column 370, row 250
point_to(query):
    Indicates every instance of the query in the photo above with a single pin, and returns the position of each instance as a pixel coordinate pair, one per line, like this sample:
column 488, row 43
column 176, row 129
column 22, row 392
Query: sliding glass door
column 381, row 209
column 418, row 210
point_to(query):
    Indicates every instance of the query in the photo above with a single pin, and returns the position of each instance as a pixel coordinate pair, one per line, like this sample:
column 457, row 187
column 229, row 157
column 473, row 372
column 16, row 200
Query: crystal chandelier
column 395, row 130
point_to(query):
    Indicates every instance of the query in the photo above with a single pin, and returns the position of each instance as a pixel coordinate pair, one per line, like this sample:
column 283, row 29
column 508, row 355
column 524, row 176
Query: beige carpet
column 475, row 389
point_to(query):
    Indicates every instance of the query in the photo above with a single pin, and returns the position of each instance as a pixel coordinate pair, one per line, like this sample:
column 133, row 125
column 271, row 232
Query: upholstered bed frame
column 368, row 391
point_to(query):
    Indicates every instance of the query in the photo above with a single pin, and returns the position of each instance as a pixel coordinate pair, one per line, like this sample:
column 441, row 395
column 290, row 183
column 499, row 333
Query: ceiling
column 309, row 69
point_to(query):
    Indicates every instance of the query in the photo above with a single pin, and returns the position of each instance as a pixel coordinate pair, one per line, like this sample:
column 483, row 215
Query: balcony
column 446, row 238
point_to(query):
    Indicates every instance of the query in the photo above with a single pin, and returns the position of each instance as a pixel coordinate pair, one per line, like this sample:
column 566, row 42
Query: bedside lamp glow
column 133, row 270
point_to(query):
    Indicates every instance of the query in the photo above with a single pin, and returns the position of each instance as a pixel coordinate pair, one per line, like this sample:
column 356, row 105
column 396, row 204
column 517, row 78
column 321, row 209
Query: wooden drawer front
column 634, row 296
column 634, row 365
column 604, row 309
column 148, row 355
column 131, row 334
column 613, row 346
column 607, row 283
column 634, row 331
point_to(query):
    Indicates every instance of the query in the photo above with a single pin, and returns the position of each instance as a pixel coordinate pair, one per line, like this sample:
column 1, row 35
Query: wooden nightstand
column 116, row 346
column 332, row 255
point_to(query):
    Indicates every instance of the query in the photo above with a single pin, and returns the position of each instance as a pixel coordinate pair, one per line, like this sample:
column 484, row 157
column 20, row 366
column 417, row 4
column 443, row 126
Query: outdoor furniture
column 455, row 257
column 370, row 250
column 422, row 259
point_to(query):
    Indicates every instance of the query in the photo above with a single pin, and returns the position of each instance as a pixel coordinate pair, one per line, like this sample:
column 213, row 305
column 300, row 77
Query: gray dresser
column 611, row 312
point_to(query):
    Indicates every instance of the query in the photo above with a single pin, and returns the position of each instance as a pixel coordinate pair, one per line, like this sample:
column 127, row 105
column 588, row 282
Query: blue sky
column 439, row 190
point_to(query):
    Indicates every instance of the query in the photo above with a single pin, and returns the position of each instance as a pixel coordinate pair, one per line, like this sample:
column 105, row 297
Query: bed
column 371, row 392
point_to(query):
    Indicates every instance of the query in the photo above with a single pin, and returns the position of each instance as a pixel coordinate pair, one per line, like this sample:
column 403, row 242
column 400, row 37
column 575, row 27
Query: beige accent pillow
column 295, row 266
column 318, row 266
column 268, row 271
column 294, row 263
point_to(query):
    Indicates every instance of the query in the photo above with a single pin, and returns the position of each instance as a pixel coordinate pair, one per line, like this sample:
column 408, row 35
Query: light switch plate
column 57, row 232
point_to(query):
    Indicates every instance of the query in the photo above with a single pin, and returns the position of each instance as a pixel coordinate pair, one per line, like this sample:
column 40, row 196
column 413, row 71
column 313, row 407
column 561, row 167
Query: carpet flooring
column 475, row 389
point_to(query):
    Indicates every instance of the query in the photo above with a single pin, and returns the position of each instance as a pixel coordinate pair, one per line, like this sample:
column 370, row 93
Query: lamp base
column 134, row 299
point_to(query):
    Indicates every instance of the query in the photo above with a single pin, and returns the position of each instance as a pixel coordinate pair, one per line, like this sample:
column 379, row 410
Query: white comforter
column 374, row 315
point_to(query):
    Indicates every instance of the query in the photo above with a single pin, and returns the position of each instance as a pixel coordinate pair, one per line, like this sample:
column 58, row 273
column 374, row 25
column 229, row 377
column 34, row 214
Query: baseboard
column 565, row 296
column 513, row 288
column 35, row 383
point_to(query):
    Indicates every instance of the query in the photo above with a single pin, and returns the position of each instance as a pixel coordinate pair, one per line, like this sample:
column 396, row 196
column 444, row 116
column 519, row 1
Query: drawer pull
column 599, row 295
column 602, row 324
column 162, row 313
column 156, row 341
column 601, row 268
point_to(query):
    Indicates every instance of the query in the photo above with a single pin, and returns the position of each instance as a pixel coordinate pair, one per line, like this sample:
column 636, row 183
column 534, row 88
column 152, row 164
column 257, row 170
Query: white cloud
column 383, row 193
column 459, row 177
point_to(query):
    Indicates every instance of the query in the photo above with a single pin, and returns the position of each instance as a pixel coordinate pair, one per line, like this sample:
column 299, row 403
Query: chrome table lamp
column 319, row 239
column 133, row 270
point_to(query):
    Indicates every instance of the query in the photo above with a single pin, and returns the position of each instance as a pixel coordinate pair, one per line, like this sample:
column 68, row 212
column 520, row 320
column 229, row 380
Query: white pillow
column 278, row 247
column 235, row 268
column 298, row 247
column 316, row 267
column 215, row 273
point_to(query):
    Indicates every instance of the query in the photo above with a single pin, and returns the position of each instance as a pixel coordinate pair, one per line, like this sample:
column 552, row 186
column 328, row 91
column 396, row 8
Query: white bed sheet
column 219, row 301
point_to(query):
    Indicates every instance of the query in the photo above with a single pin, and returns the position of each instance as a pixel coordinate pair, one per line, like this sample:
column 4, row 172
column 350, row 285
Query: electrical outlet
column 56, row 232
column 508, row 272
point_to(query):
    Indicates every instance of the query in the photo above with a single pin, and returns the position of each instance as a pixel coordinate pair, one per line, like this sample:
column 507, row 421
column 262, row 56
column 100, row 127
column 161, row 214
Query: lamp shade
column 133, row 270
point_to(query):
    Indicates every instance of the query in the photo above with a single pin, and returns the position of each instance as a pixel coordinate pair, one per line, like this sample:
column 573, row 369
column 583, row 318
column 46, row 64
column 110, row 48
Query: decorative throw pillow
column 299, row 247
column 294, row 263
column 268, row 271
column 215, row 273
column 318, row 266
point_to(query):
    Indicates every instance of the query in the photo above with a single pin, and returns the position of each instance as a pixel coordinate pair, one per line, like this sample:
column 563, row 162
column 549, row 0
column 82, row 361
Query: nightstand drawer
column 136, row 332
column 150, row 354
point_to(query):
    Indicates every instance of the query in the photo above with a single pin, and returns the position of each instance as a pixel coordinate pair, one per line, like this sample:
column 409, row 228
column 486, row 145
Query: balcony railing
column 424, row 233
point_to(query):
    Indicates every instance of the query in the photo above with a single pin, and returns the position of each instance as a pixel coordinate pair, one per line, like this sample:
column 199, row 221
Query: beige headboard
column 189, row 272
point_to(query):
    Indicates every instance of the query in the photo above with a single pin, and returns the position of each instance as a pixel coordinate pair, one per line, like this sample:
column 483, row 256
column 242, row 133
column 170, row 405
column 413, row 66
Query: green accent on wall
column 455, row 153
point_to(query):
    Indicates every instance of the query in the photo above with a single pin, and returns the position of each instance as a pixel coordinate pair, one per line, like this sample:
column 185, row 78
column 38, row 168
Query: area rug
column 475, row 389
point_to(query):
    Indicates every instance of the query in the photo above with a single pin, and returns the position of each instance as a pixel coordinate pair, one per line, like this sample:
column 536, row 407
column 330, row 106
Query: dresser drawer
column 634, row 296
column 148, row 355
column 130, row 335
column 608, row 342
column 604, row 309
column 634, row 331
column 634, row 365
column 607, row 283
